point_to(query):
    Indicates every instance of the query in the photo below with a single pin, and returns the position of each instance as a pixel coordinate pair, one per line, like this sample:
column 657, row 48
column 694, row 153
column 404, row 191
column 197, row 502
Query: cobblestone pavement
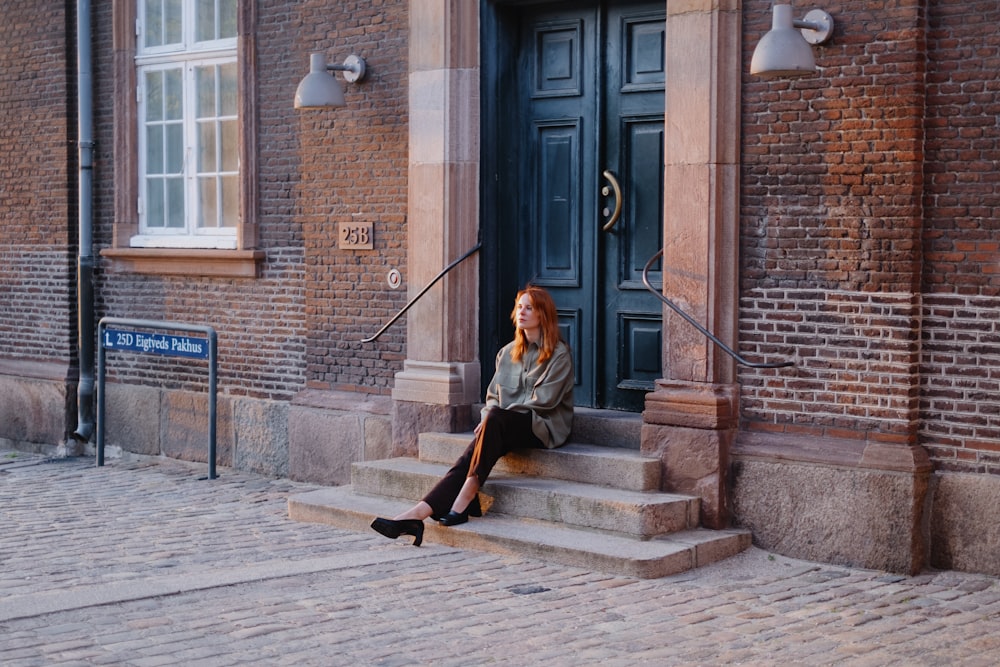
column 147, row 563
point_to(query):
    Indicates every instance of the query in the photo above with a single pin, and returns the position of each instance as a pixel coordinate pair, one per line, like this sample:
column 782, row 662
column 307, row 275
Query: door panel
column 590, row 91
column 643, row 228
column 558, row 201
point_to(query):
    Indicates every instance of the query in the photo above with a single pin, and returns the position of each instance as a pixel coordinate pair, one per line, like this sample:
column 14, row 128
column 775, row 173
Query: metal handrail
column 690, row 320
column 471, row 251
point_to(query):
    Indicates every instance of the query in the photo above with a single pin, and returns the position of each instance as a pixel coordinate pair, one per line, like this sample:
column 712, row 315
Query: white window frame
column 186, row 55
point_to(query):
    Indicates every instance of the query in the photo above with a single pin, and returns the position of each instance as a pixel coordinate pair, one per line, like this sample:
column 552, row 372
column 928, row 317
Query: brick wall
column 37, row 182
column 298, row 324
column 869, row 220
column 962, row 196
column 830, row 227
column 869, row 235
column 354, row 168
column 960, row 384
column 856, row 355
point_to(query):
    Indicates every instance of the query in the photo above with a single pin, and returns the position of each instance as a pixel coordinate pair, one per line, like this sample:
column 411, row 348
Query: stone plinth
column 690, row 426
column 409, row 420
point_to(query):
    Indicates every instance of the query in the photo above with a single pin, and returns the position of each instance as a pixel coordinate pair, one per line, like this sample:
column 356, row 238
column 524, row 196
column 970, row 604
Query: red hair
column 548, row 320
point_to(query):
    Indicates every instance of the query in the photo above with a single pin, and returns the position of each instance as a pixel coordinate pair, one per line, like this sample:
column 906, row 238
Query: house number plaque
column 356, row 235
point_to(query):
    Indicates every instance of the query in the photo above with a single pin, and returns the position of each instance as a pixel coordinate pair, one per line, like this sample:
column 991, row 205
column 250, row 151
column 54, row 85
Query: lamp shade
column 783, row 51
column 318, row 88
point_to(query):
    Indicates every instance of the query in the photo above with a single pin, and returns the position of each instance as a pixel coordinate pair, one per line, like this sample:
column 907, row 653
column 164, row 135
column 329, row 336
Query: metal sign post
column 135, row 336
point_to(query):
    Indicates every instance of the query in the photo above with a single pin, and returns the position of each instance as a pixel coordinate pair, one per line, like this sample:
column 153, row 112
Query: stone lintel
column 345, row 401
column 39, row 370
column 692, row 405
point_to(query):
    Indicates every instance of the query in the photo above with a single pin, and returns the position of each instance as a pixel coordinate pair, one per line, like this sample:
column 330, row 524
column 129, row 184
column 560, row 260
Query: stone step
column 610, row 428
column 640, row 514
column 495, row 533
column 591, row 464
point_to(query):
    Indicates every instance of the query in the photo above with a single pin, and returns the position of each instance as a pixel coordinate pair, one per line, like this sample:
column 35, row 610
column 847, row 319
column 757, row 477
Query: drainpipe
column 85, row 264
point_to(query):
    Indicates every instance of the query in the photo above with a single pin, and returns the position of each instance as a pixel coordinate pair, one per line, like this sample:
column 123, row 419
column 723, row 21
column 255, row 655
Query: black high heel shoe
column 454, row 518
column 393, row 529
column 474, row 509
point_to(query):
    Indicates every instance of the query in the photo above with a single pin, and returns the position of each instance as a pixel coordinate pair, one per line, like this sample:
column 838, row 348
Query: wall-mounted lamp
column 785, row 51
column 319, row 89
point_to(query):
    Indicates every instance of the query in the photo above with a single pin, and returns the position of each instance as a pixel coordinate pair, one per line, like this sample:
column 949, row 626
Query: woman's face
column 527, row 318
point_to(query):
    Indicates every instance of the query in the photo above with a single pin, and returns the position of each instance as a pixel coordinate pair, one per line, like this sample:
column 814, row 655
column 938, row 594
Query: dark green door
column 588, row 140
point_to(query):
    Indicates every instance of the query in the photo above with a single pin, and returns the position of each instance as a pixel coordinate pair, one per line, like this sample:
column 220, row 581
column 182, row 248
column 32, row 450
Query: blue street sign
column 155, row 343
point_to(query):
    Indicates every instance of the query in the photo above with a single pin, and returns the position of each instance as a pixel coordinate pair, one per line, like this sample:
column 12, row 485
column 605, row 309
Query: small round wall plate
column 356, row 68
column 824, row 30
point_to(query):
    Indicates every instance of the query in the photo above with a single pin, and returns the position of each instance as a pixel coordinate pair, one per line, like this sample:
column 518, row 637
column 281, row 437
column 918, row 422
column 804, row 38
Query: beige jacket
column 545, row 390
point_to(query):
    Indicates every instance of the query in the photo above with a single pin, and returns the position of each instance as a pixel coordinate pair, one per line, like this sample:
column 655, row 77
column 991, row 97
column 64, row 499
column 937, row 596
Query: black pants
column 502, row 431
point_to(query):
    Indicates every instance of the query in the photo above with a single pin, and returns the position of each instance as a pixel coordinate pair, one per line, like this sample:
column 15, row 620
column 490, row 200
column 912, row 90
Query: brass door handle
column 618, row 200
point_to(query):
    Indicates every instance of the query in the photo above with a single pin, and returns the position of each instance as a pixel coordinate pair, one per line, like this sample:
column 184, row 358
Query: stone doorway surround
column 440, row 380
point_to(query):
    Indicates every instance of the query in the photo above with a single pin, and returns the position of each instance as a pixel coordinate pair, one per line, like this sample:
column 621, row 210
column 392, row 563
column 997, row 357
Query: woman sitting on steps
column 529, row 404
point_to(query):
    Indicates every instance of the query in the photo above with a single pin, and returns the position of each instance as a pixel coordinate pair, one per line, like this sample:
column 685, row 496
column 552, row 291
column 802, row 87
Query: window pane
column 154, row 149
column 230, row 145
column 209, row 203
column 153, row 33
column 174, row 148
column 230, row 201
column 228, row 90
column 190, row 132
column 215, row 19
column 206, row 148
column 173, row 21
column 173, row 94
column 154, row 96
column 205, row 29
column 175, row 203
column 155, row 213
column 164, row 22
column 205, row 85
column 227, row 18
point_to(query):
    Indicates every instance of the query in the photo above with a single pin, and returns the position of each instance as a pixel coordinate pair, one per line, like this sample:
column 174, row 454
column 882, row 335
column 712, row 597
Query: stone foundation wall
column 37, row 413
column 328, row 431
column 314, row 438
column 964, row 532
column 251, row 434
column 823, row 499
column 886, row 520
